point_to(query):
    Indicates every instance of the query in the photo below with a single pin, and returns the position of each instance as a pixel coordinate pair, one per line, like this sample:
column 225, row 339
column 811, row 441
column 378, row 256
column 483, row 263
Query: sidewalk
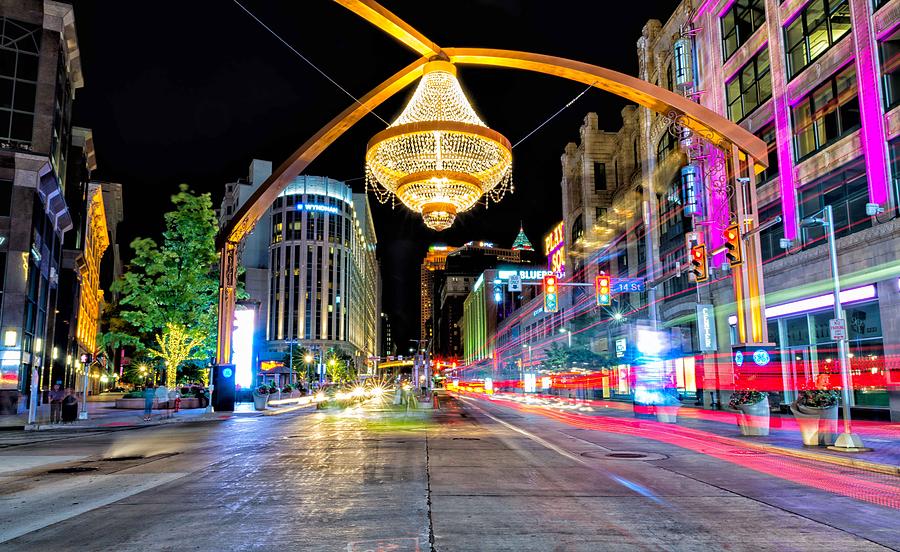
column 784, row 434
column 103, row 415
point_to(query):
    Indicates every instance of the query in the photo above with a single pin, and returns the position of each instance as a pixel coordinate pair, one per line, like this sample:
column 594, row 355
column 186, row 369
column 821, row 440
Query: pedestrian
column 56, row 397
column 162, row 399
column 69, row 407
column 149, row 395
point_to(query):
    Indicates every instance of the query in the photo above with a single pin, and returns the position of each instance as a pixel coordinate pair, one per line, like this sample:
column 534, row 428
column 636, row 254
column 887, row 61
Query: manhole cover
column 628, row 455
column 466, row 439
column 122, row 458
column 74, row 469
column 623, row 455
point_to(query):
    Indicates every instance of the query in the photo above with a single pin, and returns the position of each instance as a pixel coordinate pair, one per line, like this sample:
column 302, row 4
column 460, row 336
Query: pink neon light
column 872, row 134
column 784, row 145
column 704, row 8
column 818, row 302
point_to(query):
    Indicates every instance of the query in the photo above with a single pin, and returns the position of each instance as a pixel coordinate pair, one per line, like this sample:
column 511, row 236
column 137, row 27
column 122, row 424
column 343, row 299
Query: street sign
column 628, row 285
column 837, row 328
column 515, row 283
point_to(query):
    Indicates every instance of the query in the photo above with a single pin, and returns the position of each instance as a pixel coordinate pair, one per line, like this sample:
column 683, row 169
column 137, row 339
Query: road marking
column 30, row 510
column 528, row 434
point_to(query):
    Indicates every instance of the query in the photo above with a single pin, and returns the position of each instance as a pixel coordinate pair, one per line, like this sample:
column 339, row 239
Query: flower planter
column 259, row 401
column 818, row 426
column 753, row 419
column 667, row 414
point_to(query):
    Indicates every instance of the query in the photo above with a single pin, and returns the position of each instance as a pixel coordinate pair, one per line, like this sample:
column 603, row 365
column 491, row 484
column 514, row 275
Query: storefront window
column 770, row 238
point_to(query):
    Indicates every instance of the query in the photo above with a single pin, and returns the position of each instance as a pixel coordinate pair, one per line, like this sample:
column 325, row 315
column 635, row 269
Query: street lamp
column 568, row 333
column 847, row 441
column 308, row 358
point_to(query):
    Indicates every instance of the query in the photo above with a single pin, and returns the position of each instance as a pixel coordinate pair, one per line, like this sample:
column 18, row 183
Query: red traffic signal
column 733, row 250
column 602, row 290
column 551, row 294
column 699, row 263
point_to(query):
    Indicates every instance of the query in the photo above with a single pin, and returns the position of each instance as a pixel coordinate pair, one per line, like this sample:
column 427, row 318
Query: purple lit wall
column 872, row 134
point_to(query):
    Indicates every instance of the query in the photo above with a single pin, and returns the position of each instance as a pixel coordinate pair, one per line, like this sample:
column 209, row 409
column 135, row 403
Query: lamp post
column 308, row 358
column 568, row 332
column 846, row 441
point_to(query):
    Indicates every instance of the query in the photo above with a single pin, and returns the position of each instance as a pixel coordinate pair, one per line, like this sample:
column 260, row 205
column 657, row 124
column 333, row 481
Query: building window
column 828, row 113
column 665, row 146
column 816, row 29
column 880, row 3
column 622, row 263
column 740, row 22
column 599, row 177
column 846, row 191
column 749, row 88
column 20, row 48
column 600, row 214
column 770, row 238
column 890, row 69
column 767, row 135
column 577, row 229
column 5, row 197
column 894, row 152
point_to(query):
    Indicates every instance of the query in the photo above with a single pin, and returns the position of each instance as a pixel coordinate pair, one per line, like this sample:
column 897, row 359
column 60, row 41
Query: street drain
column 466, row 439
column 74, row 469
column 745, row 452
column 122, row 458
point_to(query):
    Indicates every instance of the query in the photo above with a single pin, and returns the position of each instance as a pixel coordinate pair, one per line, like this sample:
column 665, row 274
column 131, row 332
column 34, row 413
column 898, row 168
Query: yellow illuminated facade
column 96, row 240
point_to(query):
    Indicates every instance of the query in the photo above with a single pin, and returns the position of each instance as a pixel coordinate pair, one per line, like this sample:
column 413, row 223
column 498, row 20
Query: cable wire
column 563, row 108
column 304, row 58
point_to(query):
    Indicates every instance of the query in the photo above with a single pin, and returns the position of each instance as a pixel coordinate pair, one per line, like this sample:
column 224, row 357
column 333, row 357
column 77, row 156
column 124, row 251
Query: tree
column 176, row 344
column 556, row 358
column 296, row 359
column 338, row 365
column 169, row 293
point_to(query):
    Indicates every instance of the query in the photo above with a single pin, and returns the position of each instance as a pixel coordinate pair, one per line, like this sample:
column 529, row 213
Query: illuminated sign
column 242, row 346
column 706, row 328
column 524, row 275
column 554, row 248
column 318, row 208
column 267, row 365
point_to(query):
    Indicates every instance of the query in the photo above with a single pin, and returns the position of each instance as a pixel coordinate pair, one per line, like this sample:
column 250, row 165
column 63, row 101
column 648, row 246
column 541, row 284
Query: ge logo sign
column 739, row 358
column 761, row 357
column 227, row 372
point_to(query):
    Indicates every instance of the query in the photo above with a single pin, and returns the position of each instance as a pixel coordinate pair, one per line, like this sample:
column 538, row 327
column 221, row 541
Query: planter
column 667, row 414
column 753, row 419
column 259, row 401
column 818, row 426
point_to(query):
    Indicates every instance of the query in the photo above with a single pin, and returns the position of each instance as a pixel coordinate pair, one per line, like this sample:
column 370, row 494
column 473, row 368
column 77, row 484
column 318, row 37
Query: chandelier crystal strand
column 438, row 157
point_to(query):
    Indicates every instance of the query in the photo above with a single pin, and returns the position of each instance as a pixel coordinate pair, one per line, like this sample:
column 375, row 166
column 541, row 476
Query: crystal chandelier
column 438, row 157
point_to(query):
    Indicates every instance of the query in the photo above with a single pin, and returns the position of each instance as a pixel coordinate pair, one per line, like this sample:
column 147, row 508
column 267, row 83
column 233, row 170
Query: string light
column 438, row 157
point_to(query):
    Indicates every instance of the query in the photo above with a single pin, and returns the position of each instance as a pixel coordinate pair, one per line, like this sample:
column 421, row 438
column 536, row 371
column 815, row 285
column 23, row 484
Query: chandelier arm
column 257, row 204
column 709, row 125
column 384, row 19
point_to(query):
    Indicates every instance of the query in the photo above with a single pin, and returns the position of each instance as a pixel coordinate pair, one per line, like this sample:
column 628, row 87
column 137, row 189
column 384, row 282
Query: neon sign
column 317, row 208
column 554, row 248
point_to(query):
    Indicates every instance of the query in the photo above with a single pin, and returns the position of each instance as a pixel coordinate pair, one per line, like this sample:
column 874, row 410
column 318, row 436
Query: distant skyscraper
column 323, row 275
column 521, row 242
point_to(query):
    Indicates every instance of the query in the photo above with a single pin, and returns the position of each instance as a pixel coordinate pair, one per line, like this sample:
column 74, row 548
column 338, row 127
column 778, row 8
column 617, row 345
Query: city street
column 473, row 476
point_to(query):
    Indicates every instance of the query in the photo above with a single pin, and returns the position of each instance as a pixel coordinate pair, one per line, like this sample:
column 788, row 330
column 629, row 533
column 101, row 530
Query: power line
column 551, row 117
column 304, row 58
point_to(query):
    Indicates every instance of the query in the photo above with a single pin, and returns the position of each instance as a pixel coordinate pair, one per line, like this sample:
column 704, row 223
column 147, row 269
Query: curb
column 875, row 467
column 114, row 425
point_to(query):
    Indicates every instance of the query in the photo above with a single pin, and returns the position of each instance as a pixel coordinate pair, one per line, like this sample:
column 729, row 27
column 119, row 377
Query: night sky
column 191, row 91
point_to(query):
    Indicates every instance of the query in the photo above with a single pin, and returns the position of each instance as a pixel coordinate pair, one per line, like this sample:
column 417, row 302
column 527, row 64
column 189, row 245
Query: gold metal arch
column 708, row 124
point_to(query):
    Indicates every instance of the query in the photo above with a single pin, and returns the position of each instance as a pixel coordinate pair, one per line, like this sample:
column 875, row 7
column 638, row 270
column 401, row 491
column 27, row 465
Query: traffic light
column 551, row 294
column 733, row 245
column 602, row 289
column 699, row 263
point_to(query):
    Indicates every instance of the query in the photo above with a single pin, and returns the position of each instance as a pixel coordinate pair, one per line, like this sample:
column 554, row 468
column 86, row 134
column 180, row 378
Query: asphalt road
column 476, row 476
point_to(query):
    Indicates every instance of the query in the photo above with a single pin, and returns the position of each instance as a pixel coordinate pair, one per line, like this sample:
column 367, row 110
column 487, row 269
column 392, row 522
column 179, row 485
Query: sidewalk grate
column 73, row 469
